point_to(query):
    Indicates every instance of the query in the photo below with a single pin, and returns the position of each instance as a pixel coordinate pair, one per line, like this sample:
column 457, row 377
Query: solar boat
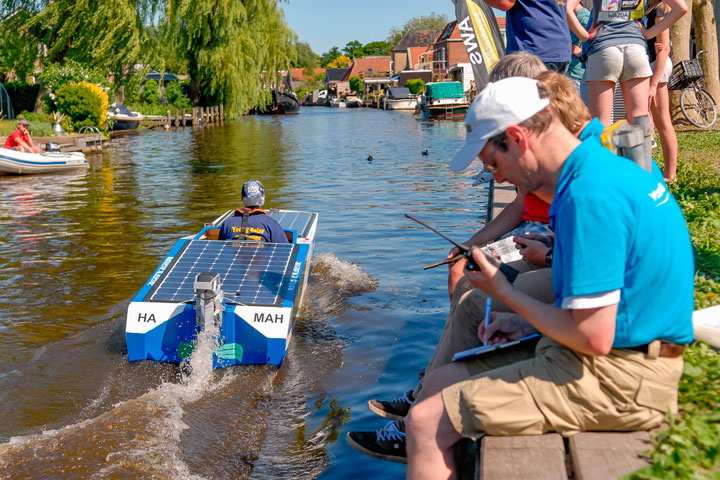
column 252, row 290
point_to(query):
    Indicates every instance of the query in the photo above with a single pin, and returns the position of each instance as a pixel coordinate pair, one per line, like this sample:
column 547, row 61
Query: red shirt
column 12, row 140
column 535, row 209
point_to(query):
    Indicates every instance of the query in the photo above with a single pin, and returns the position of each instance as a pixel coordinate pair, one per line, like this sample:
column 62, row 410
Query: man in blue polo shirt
column 539, row 27
column 252, row 223
column 611, row 353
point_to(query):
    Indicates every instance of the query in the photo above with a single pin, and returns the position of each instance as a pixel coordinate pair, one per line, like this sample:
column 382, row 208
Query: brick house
column 401, row 54
column 376, row 66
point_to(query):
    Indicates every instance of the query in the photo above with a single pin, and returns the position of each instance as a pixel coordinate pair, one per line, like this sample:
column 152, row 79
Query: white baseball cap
column 500, row 104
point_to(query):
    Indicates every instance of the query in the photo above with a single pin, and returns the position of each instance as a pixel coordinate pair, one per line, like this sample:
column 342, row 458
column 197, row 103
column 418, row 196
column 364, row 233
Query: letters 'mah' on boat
column 251, row 290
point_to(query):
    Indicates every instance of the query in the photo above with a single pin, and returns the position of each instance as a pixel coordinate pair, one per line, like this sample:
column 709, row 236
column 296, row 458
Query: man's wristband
column 548, row 258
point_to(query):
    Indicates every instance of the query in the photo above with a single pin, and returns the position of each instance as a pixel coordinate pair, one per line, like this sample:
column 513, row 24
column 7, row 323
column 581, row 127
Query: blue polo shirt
column 617, row 227
column 539, row 27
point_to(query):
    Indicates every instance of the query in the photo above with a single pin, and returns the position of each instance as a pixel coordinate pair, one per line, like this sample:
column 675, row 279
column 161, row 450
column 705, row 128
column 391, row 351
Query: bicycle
column 696, row 104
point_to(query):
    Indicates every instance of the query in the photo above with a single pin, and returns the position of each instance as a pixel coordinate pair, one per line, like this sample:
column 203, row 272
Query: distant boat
column 400, row 98
column 353, row 102
column 443, row 100
column 123, row 118
column 282, row 103
column 19, row 163
column 338, row 103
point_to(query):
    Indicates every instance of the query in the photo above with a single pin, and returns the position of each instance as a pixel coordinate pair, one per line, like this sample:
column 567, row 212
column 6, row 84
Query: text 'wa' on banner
column 481, row 36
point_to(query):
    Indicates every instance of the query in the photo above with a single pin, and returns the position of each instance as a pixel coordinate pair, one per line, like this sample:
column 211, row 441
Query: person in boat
column 20, row 139
column 251, row 222
column 611, row 353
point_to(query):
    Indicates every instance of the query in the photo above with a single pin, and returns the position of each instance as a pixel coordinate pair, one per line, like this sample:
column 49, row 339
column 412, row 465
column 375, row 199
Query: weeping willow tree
column 232, row 47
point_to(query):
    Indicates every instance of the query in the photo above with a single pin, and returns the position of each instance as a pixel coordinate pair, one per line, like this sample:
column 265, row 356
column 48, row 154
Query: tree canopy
column 230, row 48
column 425, row 22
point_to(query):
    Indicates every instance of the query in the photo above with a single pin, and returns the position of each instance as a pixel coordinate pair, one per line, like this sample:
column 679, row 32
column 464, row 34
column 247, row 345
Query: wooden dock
column 86, row 143
column 195, row 117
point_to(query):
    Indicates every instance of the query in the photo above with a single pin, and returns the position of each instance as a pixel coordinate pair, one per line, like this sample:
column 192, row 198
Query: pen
column 488, row 307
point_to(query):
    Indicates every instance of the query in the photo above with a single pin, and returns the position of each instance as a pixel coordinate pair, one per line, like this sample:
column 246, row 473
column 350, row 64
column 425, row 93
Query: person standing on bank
column 251, row 222
column 661, row 64
column 20, row 139
column 617, row 53
column 611, row 353
column 576, row 70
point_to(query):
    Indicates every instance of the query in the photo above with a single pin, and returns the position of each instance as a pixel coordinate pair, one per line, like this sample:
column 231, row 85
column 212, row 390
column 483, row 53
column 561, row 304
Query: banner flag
column 481, row 36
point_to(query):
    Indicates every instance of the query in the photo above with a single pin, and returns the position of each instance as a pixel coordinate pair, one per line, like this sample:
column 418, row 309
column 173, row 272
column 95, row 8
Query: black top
column 651, row 19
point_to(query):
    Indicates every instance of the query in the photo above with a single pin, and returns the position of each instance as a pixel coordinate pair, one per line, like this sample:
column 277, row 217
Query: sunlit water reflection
column 75, row 247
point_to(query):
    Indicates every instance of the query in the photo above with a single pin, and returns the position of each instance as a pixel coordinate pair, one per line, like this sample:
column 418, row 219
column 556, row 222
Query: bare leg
column 436, row 380
column 600, row 98
column 635, row 95
column 430, row 439
column 455, row 273
column 661, row 115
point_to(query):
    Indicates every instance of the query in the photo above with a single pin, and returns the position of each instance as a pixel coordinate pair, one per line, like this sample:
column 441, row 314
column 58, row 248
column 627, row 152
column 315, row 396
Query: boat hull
column 13, row 162
column 401, row 104
column 250, row 332
column 448, row 111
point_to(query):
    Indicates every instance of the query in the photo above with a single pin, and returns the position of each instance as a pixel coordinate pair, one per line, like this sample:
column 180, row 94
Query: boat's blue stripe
column 291, row 292
column 36, row 163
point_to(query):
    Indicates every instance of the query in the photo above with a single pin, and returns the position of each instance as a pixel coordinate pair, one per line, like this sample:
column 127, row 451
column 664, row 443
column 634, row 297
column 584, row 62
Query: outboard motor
column 208, row 299
column 52, row 147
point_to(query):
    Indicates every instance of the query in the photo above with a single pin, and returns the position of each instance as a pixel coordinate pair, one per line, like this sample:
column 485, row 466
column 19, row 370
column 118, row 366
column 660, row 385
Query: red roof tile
column 298, row 74
column 371, row 66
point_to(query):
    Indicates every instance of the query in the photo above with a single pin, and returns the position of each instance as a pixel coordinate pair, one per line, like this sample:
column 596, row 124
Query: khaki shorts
column 619, row 63
column 563, row 391
column 666, row 72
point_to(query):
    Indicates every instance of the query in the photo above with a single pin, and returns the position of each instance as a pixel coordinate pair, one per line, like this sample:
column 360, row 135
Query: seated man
column 611, row 355
column 251, row 222
column 20, row 139
column 468, row 303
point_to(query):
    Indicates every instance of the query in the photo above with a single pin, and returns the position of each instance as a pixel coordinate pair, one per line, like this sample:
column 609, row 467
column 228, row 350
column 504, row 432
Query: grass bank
column 690, row 447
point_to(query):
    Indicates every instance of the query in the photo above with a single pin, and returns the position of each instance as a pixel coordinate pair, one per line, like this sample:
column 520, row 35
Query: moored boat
column 400, row 98
column 122, row 118
column 337, row 103
column 443, row 100
column 353, row 102
column 258, row 289
column 18, row 163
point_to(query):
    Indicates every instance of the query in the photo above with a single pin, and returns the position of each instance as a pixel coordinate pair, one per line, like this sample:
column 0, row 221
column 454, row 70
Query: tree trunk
column 680, row 39
column 706, row 39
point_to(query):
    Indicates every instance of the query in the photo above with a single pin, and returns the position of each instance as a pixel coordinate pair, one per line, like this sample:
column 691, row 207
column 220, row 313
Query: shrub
column 356, row 84
column 415, row 85
column 83, row 103
column 150, row 93
column 175, row 95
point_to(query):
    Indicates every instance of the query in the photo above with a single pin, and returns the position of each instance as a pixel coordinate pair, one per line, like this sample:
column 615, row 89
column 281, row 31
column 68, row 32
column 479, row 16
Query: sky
column 327, row 23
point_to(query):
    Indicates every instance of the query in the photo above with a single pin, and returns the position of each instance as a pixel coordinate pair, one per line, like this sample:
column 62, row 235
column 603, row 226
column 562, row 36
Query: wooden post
column 169, row 122
column 222, row 114
column 183, row 118
column 202, row 117
column 217, row 115
column 177, row 120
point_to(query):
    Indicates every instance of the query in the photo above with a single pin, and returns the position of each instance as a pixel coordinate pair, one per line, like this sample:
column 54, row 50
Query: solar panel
column 250, row 273
column 298, row 221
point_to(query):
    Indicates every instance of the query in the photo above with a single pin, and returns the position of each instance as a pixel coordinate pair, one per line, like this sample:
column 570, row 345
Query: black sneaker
column 387, row 443
column 396, row 409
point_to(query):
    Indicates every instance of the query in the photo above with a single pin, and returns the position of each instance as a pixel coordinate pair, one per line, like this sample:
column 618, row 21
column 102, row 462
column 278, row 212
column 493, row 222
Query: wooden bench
column 584, row 456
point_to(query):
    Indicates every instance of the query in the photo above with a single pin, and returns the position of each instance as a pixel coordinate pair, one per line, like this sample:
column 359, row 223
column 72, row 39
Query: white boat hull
column 13, row 162
column 401, row 104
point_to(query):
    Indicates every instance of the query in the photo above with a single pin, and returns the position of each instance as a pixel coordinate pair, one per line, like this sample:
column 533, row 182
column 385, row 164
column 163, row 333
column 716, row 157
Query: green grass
column 37, row 128
column 690, row 447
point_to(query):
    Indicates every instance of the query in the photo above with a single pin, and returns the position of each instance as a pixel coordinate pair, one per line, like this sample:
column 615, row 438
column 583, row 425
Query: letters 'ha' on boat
column 13, row 162
column 253, row 290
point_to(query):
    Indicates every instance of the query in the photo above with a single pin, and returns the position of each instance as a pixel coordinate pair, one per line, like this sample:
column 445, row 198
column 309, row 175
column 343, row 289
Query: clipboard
column 474, row 352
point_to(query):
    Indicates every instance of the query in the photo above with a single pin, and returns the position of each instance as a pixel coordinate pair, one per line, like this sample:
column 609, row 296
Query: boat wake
column 205, row 423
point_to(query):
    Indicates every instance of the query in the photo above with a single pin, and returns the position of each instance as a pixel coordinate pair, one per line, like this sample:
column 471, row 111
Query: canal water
column 75, row 248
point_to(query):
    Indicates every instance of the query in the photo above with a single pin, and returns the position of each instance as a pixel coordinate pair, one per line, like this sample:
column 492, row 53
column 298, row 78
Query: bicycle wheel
column 698, row 107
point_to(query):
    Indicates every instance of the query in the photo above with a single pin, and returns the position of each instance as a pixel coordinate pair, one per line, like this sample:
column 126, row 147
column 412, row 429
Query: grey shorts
column 618, row 63
column 666, row 72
